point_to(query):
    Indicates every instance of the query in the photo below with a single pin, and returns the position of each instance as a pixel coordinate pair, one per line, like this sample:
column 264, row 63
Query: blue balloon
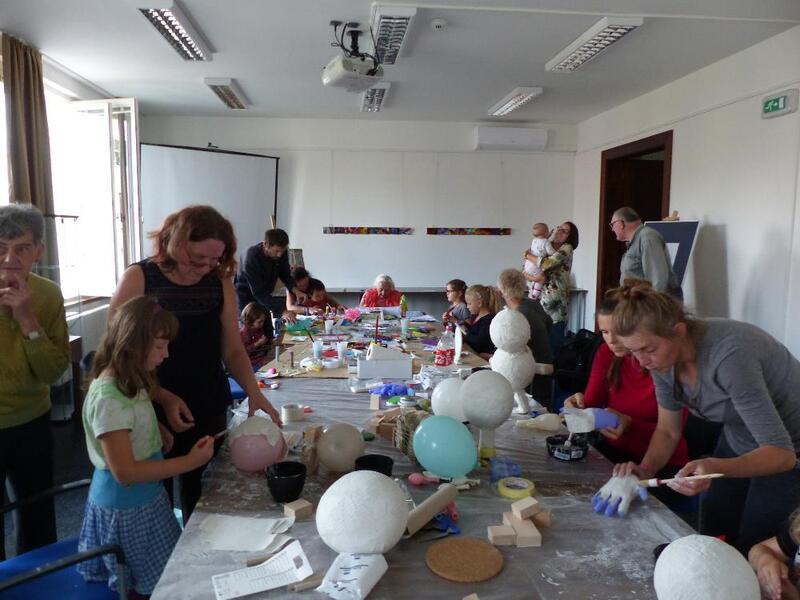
column 445, row 447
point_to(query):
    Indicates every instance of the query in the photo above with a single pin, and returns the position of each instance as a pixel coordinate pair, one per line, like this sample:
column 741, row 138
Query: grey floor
column 71, row 464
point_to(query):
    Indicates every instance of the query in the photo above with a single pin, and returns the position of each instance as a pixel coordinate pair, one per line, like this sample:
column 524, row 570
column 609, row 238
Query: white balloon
column 446, row 399
column 699, row 567
column 363, row 512
column 487, row 399
column 518, row 367
column 339, row 445
column 510, row 330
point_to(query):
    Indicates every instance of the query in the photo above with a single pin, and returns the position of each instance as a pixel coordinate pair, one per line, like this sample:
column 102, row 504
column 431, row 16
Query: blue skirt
column 147, row 535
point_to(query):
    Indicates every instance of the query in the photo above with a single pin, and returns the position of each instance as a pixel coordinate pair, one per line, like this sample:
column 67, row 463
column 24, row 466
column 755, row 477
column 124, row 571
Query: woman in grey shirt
column 727, row 372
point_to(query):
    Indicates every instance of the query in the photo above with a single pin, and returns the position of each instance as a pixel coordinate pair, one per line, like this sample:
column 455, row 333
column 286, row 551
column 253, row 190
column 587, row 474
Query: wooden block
column 526, row 507
column 375, row 401
column 543, row 518
column 502, row 535
column 299, row 509
column 527, row 534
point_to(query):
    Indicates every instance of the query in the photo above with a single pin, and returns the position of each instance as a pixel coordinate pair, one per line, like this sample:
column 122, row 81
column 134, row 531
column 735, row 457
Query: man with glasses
column 646, row 257
column 260, row 268
column 34, row 352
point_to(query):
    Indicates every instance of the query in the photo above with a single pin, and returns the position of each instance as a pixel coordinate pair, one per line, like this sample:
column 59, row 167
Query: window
column 95, row 189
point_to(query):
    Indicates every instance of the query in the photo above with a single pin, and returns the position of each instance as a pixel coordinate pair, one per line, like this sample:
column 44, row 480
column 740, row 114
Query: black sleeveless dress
column 194, row 370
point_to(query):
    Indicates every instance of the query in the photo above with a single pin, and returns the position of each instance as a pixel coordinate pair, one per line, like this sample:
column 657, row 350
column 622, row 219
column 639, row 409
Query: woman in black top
column 483, row 303
column 190, row 274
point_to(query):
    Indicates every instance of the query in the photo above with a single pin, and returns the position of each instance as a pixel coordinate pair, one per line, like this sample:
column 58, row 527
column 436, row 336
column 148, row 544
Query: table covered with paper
column 584, row 555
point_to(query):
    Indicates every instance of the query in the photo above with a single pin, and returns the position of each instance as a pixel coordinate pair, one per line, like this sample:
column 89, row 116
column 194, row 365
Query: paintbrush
column 216, row 436
column 658, row 482
column 311, row 337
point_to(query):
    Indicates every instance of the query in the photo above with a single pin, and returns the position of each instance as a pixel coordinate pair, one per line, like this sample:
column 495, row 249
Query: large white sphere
column 363, row 512
column 510, row 330
column 699, row 567
column 255, row 444
column 518, row 367
column 339, row 445
column 487, row 399
column 446, row 399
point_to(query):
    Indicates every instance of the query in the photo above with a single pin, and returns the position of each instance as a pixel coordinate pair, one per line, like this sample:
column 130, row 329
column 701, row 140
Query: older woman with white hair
column 34, row 352
column 383, row 293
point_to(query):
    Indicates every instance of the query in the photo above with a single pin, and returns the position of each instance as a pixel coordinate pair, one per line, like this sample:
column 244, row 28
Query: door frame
column 653, row 143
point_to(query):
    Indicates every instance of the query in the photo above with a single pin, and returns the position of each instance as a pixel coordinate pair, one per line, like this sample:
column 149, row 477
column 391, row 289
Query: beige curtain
column 30, row 179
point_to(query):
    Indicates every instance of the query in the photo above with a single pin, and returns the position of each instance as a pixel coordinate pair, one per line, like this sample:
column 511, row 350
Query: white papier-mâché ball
column 339, row 445
column 699, row 567
column 518, row 367
column 446, row 399
column 255, row 444
column 510, row 330
column 363, row 512
column 487, row 399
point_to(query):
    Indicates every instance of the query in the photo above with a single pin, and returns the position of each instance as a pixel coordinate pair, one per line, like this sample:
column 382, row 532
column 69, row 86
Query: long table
column 583, row 555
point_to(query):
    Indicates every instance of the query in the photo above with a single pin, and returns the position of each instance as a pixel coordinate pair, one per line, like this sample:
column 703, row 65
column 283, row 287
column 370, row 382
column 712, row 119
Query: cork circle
column 465, row 560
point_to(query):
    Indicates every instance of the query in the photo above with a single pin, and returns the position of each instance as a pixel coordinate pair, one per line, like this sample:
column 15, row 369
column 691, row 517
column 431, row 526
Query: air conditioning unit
column 523, row 139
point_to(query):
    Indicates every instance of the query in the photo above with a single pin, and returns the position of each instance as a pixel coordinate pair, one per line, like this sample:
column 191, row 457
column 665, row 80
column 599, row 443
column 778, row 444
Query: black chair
column 43, row 574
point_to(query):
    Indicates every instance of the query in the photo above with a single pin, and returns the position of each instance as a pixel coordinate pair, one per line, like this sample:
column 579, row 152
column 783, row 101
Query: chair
column 237, row 392
column 45, row 573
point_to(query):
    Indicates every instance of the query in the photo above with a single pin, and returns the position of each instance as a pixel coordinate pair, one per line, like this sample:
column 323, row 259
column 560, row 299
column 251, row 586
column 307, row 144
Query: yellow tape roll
column 515, row 487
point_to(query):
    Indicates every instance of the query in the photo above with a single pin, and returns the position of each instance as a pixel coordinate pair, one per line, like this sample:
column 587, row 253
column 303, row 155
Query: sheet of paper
column 243, row 533
column 423, row 319
column 288, row 566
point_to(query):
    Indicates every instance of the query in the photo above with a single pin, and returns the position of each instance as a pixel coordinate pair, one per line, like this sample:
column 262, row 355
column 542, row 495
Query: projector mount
column 350, row 29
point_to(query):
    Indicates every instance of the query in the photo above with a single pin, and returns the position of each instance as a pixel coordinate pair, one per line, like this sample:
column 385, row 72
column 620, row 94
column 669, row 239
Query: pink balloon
column 254, row 453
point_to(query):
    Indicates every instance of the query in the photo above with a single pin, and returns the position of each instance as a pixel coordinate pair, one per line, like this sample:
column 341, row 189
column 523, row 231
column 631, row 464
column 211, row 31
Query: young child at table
column 127, row 504
column 457, row 312
column 540, row 249
column 775, row 561
column 254, row 316
column 484, row 302
column 318, row 301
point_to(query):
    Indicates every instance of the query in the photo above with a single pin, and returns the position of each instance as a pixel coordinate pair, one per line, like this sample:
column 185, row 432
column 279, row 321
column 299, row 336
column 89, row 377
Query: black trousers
column 26, row 461
column 749, row 510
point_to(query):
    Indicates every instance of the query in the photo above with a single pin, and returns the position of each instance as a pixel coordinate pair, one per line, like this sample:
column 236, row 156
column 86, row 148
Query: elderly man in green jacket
column 646, row 257
column 34, row 351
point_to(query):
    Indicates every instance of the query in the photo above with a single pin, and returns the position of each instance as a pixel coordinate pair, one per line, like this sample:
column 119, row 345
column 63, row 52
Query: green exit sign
column 782, row 103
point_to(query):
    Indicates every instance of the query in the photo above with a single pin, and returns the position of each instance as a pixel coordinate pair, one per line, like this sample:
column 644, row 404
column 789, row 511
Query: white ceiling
column 276, row 49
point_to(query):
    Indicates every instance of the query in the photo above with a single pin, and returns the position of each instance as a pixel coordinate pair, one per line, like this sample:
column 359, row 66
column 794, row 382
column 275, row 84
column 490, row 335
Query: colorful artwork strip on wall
column 368, row 230
column 469, row 231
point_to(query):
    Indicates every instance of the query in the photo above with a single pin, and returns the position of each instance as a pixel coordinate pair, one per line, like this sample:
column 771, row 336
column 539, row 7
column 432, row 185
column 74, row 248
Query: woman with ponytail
column 727, row 372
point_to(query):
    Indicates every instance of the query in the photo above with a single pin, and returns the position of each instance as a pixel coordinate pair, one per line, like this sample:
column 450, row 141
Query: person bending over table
column 483, row 303
column 555, row 277
column 724, row 371
column 34, row 352
column 618, row 383
column 260, row 268
column 383, row 293
column 457, row 312
column 190, row 276
column 295, row 305
column 319, row 301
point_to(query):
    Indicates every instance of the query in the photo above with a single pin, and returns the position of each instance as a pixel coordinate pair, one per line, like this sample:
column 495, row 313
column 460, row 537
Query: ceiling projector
column 353, row 74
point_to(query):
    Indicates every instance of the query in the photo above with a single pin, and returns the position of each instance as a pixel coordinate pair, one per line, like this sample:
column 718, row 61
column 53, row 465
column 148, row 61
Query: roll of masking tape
column 291, row 413
column 515, row 487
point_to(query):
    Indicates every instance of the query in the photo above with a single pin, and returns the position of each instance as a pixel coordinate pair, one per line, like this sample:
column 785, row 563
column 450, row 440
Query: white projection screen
column 240, row 186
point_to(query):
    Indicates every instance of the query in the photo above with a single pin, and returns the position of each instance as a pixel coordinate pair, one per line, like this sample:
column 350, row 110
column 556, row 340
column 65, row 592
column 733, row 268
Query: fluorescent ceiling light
column 390, row 24
column 374, row 97
column 228, row 91
column 592, row 42
column 175, row 27
column 517, row 98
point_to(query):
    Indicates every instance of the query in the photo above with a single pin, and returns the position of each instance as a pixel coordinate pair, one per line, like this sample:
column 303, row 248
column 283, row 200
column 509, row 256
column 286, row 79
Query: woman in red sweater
column 618, row 383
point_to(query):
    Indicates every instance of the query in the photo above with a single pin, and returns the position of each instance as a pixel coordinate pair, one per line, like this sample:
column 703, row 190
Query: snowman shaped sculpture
column 513, row 359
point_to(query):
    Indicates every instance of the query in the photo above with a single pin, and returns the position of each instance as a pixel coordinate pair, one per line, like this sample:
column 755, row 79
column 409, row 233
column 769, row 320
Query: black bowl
column 285, row 480
column 577, row 449
column 375, row 462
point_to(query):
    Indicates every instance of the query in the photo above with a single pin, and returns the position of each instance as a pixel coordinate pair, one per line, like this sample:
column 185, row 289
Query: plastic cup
column 341, row 351
column 404, row 327
column 285, row 480
column 375, row 462
column 328, row 326
column 317, row 348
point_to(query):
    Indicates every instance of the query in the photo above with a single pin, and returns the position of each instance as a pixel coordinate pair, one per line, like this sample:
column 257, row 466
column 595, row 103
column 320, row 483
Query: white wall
column 731, row 169
column 337, row 172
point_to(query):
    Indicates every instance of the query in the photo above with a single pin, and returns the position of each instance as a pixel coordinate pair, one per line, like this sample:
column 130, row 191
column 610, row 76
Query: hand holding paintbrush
column 658, row 482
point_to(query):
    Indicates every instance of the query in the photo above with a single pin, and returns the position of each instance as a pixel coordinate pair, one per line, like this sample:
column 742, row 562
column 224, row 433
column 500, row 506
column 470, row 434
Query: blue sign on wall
column 680, row 237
